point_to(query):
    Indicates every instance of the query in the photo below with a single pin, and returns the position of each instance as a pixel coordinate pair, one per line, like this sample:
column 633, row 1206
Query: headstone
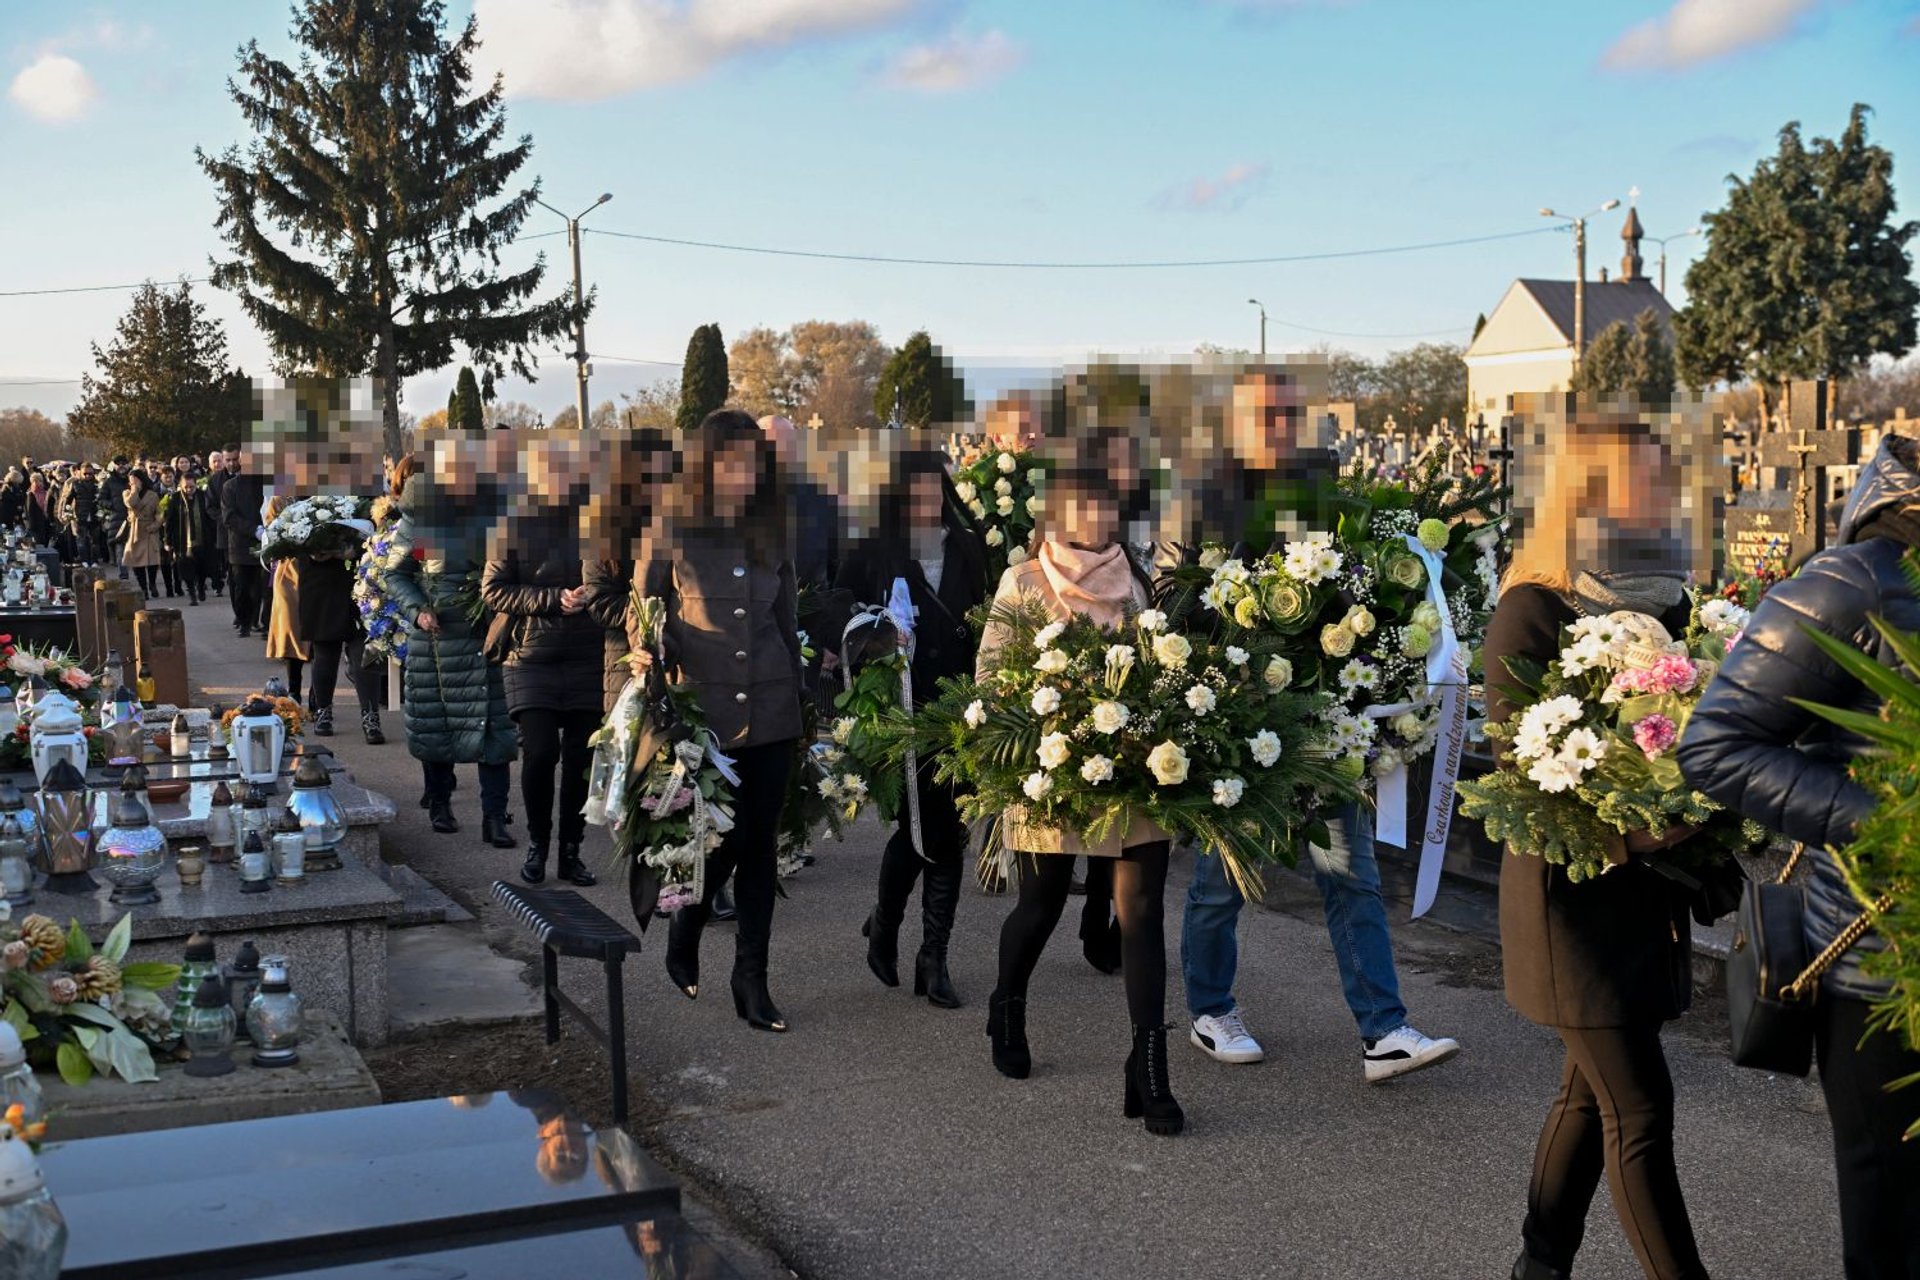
column 1801, row 457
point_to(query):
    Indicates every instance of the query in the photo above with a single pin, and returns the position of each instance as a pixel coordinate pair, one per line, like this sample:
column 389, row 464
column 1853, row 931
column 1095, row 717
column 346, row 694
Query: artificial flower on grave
column 82, row 1010
column 286, row 708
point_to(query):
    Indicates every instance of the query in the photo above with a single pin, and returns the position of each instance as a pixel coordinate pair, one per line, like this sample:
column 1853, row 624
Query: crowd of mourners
column 519, row 636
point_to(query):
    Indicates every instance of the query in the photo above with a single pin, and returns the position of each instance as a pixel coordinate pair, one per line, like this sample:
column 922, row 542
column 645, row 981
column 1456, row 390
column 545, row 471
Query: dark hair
column 146, row 482
column 895, row 500
column 763, row 525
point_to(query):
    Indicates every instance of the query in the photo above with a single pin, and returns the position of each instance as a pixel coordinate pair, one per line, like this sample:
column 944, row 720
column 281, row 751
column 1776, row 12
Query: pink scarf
column 1098, row 584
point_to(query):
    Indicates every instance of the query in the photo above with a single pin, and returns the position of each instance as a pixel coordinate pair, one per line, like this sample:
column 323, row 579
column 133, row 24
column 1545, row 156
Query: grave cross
column 814, row 423
column 1808, row 448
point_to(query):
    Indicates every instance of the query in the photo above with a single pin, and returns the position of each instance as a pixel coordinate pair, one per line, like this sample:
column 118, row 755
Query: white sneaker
column 1404, row 1050
column 1225, row 1039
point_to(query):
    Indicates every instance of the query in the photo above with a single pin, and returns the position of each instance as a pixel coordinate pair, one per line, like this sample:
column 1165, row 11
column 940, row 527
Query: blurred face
column 1086, row 519
column 925, row 502
column 1263, row 421
column 736, row 476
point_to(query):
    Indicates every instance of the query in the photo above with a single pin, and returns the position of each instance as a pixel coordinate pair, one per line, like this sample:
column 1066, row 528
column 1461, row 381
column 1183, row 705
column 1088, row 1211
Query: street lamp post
column 1662, row 242
column 581, row 367
column 1263, row 327
column 1579, row 274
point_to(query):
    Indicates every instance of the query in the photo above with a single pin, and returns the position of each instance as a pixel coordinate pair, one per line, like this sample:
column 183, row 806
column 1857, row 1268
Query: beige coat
column 1029, row 579
column 143, row 530
column 282, row 642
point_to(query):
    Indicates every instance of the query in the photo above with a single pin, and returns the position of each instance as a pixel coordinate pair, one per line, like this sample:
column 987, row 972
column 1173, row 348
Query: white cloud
column 1228, row 191
column 1696, row 31
column 957, row 62
column 588, row 49
column 54, row 88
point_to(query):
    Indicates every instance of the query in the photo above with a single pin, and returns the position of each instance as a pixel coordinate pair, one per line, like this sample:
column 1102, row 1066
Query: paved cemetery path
column 876, row 1141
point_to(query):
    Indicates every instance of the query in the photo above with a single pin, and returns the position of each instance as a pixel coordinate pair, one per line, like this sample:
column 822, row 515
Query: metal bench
column 568, row 925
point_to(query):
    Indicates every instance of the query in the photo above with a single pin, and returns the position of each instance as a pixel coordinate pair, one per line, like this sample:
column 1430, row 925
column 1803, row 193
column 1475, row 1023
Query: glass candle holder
column 275, row 1019
column 209, row 1031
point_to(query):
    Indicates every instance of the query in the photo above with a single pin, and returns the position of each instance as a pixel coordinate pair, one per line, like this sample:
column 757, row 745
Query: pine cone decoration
column 98, row 977
column 46, row 940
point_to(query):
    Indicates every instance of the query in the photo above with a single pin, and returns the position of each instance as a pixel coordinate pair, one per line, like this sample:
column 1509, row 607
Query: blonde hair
column 1573, row 478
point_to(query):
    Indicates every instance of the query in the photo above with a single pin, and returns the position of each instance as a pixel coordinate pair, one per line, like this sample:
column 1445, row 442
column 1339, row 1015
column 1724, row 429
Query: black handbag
column 1771, row 980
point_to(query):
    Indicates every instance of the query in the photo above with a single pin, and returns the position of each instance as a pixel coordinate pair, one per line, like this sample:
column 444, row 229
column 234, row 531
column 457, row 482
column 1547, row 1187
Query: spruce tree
column 367, row 215
column 164, row 386
column 930, row 391
column 1806, row 275
column 703, row 378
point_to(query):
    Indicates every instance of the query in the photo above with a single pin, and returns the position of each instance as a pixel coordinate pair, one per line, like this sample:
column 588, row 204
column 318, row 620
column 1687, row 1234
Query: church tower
column 1630, row 261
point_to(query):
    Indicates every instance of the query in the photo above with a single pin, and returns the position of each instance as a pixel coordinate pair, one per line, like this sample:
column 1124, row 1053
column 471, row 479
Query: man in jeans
column 1258, row 491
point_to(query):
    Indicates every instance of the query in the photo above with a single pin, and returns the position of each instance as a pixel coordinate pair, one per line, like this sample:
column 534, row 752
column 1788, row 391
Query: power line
column 1067, row 266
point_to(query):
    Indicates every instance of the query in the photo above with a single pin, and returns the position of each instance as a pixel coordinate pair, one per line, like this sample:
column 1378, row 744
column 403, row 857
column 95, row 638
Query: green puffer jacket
column 456, row 701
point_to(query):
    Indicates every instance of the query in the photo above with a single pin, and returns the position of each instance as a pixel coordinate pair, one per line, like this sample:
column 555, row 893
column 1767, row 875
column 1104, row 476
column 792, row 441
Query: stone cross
column 1807, row 448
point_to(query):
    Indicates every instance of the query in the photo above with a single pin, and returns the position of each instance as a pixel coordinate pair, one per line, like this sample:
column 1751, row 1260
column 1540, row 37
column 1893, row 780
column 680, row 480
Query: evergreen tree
column 930, row 391
column 164, row 386
column 703, row 378
column 1635, row 361
column 465, row 408
column 374, row 160
column 1805, row 273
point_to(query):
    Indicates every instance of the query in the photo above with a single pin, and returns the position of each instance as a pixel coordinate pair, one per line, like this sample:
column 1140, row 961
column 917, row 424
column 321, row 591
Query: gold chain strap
column 1801, row 986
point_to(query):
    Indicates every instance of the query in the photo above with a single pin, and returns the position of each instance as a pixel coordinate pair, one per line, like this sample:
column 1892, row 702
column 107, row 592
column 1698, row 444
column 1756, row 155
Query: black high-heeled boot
column 1101, row 945
column 1148, row 1094
column 883, row 947
column 683, row 948
column 572, row 869
column 1007, row 1028
column 534, row 869
column 1528, row 1267
column 939, row 901
column 751, row 1000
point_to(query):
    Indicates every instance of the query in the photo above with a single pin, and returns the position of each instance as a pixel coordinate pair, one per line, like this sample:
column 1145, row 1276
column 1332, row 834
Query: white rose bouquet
column 1001, row 487
column 1086, row 728
column 323, row 525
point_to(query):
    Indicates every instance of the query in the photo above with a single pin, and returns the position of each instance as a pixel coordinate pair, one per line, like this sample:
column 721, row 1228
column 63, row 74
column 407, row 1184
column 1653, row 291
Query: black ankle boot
column 883, row 947
column 1148, row 1094
column 572, row 869
column 534, row 869
column 751, row 999
column 370, row 728
column 939, row 901
column 493, row 831
column 440, row 813
column 1007, row 1028
column 1101, row 945
column 683, row 948
column 1528, row 1267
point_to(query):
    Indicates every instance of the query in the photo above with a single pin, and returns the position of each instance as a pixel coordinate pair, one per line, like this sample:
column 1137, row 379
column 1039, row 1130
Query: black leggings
column 1878, row 1168
column 295, row 667
column 1614, row 1114
column 557, row 740
column 145, row 574
column 1139, row 893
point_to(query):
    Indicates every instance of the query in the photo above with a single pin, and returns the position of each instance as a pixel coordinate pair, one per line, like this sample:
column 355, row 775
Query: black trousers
column 556, row 742
column 1614, row 1114
column 748, row 852
column 213, row 563
column 247, row 592
column 1878, row 1172
column 1139, row 898
column 324, row 659
column 943, row 838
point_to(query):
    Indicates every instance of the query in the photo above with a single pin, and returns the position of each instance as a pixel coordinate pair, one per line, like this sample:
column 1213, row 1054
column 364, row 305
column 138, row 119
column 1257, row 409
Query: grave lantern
column 243, row 979
column 132, row 849
column 321, row 818
column 9, row 713
column 33, row 1234
column 64, row 814
column 199, row 962
column 17, row 1081
column 256, row 872
column 275, row 1019
column 220, row 828
column 289, row 848
column 259, row 738
column 209, row 1029
column 125, row 728
column 58, row 734
column 16, row 858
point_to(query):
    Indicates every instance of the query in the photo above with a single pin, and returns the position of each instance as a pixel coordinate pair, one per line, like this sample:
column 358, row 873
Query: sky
column 1071, row 131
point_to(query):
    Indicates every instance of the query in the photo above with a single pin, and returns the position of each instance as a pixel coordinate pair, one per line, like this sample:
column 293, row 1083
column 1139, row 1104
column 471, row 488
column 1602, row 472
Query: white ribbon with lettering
column 1446, row 673
column 900, row 612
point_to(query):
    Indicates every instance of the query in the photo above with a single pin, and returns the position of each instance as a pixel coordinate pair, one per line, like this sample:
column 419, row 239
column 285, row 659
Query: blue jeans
column 1356, row 924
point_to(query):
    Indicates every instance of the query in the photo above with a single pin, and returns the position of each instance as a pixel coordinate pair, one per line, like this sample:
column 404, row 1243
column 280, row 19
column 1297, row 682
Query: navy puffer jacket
column 1752, row 749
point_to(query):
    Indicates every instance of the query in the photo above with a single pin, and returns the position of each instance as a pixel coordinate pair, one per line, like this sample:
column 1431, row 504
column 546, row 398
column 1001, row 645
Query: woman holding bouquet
column 283, row 641
column 921, row 537
column 718, row 563
column 1082, row 568
column 1606, row 961
column 142, row 535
